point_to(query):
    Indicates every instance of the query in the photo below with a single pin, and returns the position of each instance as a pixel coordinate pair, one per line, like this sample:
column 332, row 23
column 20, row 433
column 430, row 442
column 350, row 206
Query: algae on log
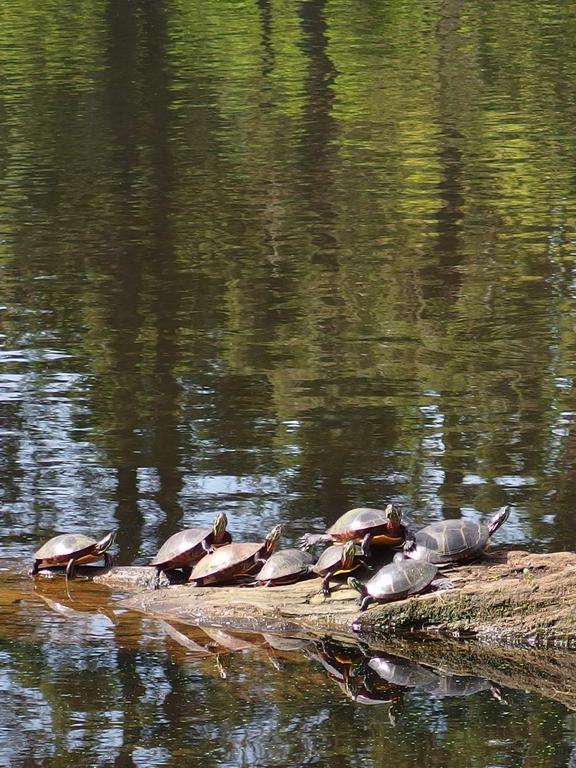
column 513, row 597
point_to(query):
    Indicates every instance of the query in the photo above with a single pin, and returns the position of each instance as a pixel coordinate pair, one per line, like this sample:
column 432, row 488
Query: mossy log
column 508, row 597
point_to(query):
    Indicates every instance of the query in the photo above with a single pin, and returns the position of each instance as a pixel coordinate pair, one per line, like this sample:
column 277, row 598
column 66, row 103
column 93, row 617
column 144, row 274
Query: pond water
column 279, row 259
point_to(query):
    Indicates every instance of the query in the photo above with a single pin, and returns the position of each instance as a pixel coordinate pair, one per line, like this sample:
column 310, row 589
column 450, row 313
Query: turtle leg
column 107, row 560
column 325, row 586
column 35, row 568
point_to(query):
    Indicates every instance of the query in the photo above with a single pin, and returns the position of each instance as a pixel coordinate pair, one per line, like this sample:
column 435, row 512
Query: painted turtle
column 369, row 526
column 72, row 549
column 233, row 560
column 395, row 581
column 187, row 547
column 285, row 567
column 453, row 541
column 337, row 559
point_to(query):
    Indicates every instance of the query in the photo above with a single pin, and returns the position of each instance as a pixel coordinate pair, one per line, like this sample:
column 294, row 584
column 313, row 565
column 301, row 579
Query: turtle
column 369, row 526
column 285, row 567
column 72, row 549
column 402, row 672
column 453, row 541
column 395, row 581
column 337, row 559
column 187, row 547
column 233, row 560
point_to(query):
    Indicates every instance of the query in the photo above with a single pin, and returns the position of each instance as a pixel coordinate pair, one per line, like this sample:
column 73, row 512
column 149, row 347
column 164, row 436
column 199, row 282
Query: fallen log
column 509, row 597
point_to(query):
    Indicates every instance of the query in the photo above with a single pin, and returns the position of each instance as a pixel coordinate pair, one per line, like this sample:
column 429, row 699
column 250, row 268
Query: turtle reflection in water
column 72, row 549
column 346, row 666
column 369, row 526
column 410, row 674
column 453, row 541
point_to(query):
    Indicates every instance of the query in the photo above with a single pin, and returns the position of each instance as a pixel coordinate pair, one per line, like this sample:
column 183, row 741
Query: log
column 510, row 597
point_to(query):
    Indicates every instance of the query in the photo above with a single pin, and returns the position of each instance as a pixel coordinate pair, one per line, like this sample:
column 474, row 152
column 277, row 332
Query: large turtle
column 72, row 549
column 232, row 561
column 285, row 567
column 395, row 581
column 364, row 524
column 337, row 559
column 453, row 541
column 187, row 547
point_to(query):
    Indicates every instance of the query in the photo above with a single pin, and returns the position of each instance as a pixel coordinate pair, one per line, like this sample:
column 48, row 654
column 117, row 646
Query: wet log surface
column 510, row 597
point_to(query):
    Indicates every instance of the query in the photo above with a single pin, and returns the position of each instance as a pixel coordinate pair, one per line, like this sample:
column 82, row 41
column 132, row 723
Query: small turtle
column 285, row 567
column 234, row 560
column 187, row 547
column 72, row 549
column 453, row 541
column 395, row 581
column 337, row 559
column 369, row 526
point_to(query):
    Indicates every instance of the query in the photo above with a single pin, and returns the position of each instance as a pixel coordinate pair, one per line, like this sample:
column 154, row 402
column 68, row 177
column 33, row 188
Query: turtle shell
column 62, row 548
column 330, row 558
column 400, row 579
column 398, row 671
column 285, row 566
column 449, row 541
column 184, row 548
column 227, row 562
column 361, row 520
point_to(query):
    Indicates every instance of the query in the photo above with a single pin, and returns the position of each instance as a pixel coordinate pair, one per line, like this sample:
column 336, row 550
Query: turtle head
column 498, row 519
column 348, row 555
column 393, row 517
column 272, row 538
column 219, row 525
column 357, row 585
column 106, row 542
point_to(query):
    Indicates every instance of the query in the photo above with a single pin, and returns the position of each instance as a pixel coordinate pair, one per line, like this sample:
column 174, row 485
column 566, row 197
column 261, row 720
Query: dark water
column 279, row 259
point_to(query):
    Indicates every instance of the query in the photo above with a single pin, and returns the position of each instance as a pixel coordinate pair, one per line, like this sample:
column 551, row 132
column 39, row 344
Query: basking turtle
column 234, row 560
column 453, row 541
column 285, row 567
column 382, row 527
column 337, row 559
column 187, row 547
column 395, row 581
column 72, row 549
